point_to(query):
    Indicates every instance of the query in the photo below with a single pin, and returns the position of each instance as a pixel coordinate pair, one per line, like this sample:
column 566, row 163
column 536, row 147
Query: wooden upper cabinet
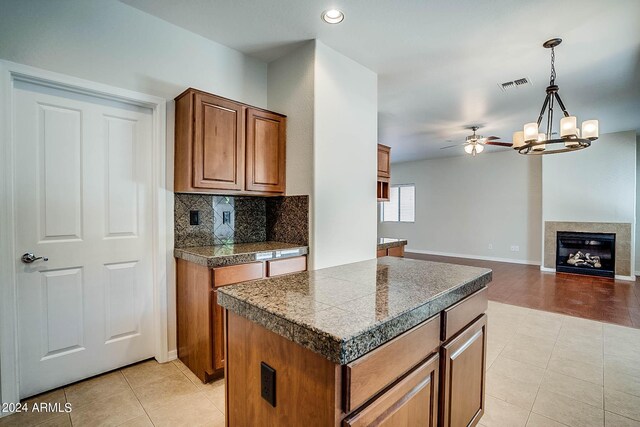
column 218, row 159
column 226, row 147
column 384, row 161
column 266, row 145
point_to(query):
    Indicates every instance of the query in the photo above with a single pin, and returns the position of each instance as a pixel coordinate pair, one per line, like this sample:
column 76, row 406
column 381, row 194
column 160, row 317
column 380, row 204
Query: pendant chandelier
column 532, row 140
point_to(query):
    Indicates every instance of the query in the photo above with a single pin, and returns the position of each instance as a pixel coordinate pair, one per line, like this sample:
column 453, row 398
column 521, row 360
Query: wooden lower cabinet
column 397, row 251
column 413, row 401
column 200, row 319
column 463, row 376
column 412, row 380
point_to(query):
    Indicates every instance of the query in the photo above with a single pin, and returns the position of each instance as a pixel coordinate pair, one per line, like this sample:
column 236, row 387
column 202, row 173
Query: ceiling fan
column 474, row 144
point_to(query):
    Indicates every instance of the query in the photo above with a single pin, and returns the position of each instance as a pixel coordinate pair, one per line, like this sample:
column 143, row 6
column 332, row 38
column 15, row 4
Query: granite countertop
column 387, row 242
column 345, row 312
column 238, row 253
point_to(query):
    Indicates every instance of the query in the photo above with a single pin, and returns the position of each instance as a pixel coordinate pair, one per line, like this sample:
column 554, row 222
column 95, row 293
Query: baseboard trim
column 172, row 355
column 617, row 276
column 479, row 257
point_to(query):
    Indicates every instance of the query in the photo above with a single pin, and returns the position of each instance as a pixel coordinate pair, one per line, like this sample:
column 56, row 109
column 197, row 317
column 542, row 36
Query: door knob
column 28, row 258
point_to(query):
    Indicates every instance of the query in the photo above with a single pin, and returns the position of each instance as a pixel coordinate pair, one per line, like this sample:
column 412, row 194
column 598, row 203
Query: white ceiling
column 439, row 62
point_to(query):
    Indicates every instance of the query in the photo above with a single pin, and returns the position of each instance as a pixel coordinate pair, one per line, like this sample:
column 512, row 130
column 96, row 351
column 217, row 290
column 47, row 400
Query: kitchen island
column 384, row 341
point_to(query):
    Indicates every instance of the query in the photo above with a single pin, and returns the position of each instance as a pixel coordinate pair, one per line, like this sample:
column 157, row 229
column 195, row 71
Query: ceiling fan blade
column 499, row 143
column 451, row 146
column 491, row 138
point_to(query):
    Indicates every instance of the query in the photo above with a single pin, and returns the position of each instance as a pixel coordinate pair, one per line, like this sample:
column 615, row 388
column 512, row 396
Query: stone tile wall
column 235, row 219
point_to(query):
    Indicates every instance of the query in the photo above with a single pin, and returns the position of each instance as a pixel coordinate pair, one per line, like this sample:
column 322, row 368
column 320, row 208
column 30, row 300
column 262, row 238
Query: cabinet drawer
column 286, row 266
column 413, row 401
column 372, row 372
column 237, row 273
column 462, row 313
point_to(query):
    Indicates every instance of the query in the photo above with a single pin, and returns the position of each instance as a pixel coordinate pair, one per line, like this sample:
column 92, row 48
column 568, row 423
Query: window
column 401, row 206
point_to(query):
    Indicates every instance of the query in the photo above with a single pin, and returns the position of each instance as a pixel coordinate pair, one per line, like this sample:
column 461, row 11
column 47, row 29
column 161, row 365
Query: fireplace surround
column 591, row 254
column 623, row 231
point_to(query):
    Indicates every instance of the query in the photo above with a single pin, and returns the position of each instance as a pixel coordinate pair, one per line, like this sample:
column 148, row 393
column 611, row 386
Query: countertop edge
column 234, row 259
column 343, row 351
column 387, row 245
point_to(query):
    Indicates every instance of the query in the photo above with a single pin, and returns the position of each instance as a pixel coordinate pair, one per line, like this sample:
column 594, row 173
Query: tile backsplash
column 235, row 219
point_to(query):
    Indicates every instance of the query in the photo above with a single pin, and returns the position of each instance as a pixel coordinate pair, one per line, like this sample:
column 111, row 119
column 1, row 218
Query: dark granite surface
column 387, row 242
column 345, row 312
column 238, row 253
column 288, row 219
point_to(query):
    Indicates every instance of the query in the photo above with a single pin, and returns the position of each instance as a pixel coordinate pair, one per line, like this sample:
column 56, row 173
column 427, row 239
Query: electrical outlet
column 515, row 248
column 194, row 217
column 490, row 246
column 268, row 383
column 226, row 217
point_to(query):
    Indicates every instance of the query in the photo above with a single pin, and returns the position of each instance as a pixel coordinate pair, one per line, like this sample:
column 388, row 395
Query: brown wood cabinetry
column 394, row 251
column 413, row 401
column 226, row 147
column 369, row 374
column 199, row 317
column 384, row 172
column 463, row 376
column 413, row 380
column 266, row 145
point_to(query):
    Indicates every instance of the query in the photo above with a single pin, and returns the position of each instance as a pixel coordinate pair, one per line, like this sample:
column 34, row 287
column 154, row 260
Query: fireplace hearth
column 586, row 253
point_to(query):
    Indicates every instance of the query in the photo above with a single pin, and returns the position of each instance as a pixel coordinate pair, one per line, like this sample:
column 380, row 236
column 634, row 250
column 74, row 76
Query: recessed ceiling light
column 332, row 16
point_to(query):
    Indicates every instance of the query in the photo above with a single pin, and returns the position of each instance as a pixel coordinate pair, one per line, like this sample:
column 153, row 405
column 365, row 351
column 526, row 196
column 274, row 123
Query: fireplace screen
column 586, row 253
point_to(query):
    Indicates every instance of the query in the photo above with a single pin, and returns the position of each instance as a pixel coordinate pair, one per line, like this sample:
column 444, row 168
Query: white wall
column 291, row 92
column 597, row 184
column 112, row 43
column 464, row 204
column 637, row 272
column 331, row 107
column 345, row 159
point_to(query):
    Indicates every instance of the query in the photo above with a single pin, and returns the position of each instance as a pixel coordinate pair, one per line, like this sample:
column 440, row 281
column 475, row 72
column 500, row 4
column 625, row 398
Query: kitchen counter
column 387, row 242
column 239, row 253
column 344, row 312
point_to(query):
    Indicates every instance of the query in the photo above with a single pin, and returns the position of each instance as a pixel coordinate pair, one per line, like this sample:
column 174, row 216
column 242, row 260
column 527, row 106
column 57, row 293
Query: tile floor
column 544, row 369
column 146, row 394
column 549, row 369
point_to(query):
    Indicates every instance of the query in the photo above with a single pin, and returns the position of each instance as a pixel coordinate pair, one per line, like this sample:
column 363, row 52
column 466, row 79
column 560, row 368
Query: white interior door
column 83, row 186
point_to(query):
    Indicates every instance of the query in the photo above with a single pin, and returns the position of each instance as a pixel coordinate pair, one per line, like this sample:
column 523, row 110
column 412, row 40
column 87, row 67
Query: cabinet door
column 396, row 251
column 463, row 376
column 218, row 146
column 266, row 145
column 217, row 313
column 413, row 401
column 384, row 161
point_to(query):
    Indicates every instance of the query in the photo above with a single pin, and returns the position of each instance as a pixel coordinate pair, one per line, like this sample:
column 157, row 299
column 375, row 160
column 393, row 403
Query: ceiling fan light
column 518, row 139
column 590, row 129
column 569, row 127
column 531, row 132
column 468, row 148
column 479, row 148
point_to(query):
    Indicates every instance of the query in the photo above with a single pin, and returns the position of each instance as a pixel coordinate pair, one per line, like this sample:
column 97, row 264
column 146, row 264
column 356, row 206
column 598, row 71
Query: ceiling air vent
column 514, row 84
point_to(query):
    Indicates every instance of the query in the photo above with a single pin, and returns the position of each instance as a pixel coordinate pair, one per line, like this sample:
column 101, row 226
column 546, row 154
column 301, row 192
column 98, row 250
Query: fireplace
column 586, row 253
